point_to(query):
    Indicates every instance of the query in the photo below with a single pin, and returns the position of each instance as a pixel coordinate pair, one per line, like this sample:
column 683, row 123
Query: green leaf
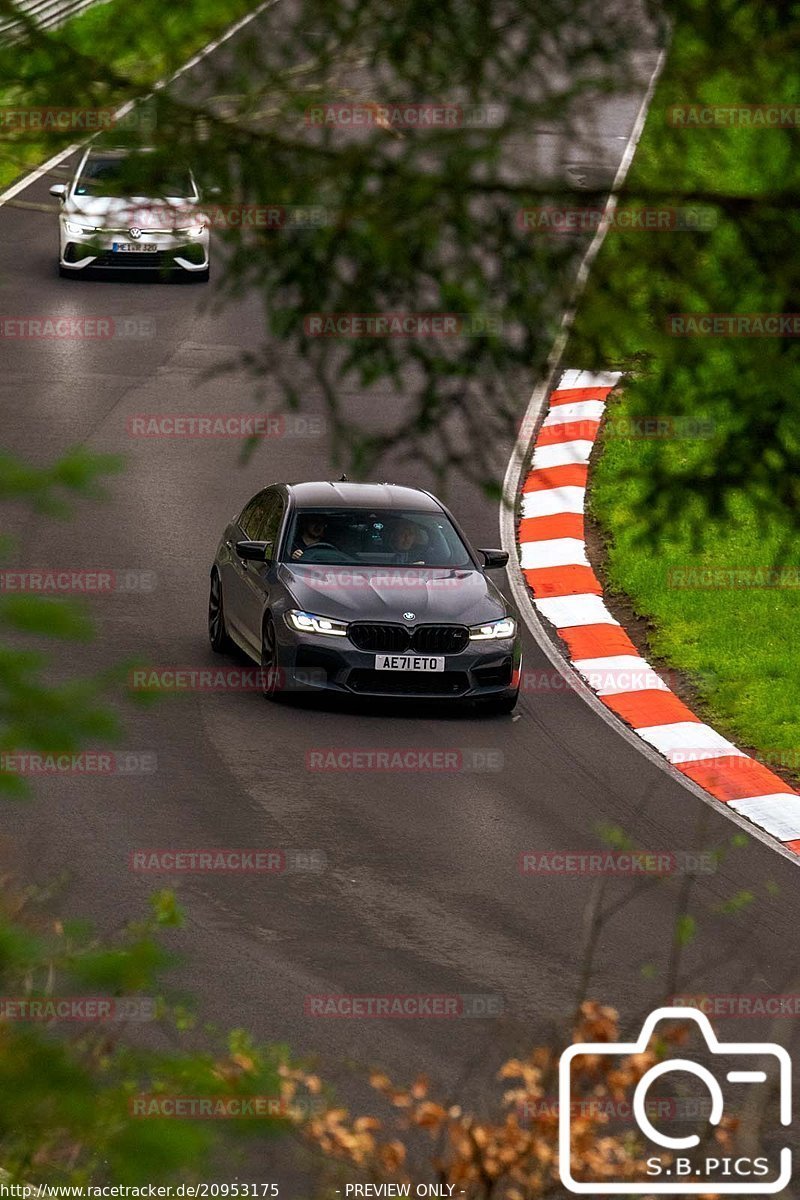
column 685, row 929
column 736, row 903
column 166, row 909
column 64, row 619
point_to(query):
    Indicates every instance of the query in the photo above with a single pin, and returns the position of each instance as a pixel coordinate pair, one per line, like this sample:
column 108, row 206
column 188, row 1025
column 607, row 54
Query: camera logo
column 671, row 1167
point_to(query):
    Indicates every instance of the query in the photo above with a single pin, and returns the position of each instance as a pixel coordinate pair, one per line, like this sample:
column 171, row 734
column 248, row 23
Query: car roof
column 343, row 494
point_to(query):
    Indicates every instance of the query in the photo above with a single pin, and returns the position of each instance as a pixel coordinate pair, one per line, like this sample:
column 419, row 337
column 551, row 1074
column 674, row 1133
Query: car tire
column 203, row 276
column 270, row 685
column 499, row 706
column 64, row 272
column 217, row 630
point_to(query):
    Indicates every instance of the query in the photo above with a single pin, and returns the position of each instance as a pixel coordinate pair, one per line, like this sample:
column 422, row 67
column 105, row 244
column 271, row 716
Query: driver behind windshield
column 310, row 533
column 405, row 538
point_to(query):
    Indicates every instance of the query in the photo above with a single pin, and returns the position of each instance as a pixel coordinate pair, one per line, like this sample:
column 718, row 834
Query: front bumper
column 173, row 252
column 310, row 662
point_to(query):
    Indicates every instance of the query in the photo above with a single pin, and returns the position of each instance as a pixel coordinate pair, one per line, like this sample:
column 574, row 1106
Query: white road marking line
column 619, row 673
column 552, row 501
column 601, row 379
column 562, row 454
column 778, row 813
column 553, row 552
column 579, row 410
column 566, row 611
column 688, row 741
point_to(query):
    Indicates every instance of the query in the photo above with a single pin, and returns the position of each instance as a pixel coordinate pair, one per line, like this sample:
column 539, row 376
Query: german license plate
column 134, row 247
column 408, row 662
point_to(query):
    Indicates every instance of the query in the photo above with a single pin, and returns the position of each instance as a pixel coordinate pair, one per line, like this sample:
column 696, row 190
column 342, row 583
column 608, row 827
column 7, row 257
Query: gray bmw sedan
column 366, row 590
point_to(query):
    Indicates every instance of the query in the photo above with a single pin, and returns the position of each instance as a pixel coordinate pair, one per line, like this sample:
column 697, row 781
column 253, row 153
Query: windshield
column 115, row 175
column 375, row 538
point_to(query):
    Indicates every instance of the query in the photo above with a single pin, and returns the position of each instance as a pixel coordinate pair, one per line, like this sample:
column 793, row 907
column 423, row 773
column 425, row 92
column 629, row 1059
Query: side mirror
column 493, row 560
column 59, row 190
column 213, row 191
column 254, row 551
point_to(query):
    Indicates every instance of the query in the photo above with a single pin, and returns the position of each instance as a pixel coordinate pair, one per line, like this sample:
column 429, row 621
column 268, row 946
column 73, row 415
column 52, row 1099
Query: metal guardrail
column 48, row 14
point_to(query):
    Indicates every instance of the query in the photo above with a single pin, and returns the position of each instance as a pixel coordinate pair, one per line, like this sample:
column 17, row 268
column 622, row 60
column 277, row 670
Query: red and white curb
column 566, row 592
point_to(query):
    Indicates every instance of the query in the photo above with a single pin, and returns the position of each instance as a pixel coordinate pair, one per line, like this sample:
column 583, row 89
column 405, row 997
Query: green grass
column 112, row 52
column 721, row 500
column 738, row 642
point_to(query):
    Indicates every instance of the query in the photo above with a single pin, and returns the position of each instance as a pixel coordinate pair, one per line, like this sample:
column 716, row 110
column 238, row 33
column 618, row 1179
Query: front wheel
column 270, row 682
column 217, row 631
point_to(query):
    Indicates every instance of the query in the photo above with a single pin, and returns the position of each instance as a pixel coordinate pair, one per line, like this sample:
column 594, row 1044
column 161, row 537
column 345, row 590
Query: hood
column 434, row 595
column 129, row 211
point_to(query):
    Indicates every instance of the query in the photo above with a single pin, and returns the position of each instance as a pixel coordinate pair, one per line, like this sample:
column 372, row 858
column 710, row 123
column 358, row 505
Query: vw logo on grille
column 409, row 616
column 135, row 233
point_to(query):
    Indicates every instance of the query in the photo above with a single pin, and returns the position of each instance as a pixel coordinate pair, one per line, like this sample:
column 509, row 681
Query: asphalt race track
column 422, row 892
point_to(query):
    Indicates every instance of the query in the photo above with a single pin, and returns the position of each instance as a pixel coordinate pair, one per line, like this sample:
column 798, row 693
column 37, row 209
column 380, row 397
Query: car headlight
column 506, row 627
column 72, row 227
column 313, row 623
